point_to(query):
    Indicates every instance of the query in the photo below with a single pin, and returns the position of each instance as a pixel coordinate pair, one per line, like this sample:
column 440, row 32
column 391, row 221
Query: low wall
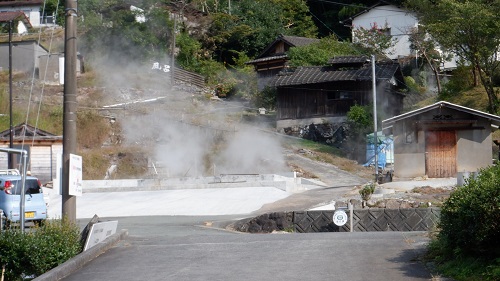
column 374, row 219
column 287, row 182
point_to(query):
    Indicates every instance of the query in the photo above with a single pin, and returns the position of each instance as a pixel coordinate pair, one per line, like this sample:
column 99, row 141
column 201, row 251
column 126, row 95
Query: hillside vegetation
column 210, row 40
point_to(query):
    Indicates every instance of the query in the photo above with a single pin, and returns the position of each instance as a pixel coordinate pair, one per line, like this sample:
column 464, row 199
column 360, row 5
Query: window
column 408, row 133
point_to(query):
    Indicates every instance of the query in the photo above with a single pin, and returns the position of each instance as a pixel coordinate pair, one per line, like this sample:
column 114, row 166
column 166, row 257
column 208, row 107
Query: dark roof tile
column 317, row 74
column 296, row 41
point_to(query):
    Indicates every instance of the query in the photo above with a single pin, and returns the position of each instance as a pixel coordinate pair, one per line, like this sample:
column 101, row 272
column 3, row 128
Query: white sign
column 99, row 232
column 58, row 180
column 339, row 218
column 75, row 175
column 164, row 68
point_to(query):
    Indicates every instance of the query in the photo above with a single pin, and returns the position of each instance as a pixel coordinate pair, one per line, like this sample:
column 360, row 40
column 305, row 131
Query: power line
column 357, row 6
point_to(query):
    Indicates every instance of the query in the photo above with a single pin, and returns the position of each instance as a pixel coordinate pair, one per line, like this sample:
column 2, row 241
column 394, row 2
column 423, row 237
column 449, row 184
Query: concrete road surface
column 183, row 248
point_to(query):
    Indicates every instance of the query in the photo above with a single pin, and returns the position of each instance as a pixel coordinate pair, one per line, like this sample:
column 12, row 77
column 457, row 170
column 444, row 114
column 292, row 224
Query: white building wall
column 398, row 20
column 32, row 13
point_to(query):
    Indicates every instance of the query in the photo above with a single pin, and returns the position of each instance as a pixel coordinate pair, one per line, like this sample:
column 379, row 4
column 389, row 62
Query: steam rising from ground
column 181, row 149
column 183, row 132
column 252, row 151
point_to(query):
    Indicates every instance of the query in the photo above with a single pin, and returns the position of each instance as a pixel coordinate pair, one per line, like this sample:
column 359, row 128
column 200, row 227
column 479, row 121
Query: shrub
column 35, row 252
column 367, row 191
column 265, row 98
column 470, row 218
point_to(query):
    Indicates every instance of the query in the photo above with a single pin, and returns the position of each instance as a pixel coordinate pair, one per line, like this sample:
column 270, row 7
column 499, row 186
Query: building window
column 408, row 133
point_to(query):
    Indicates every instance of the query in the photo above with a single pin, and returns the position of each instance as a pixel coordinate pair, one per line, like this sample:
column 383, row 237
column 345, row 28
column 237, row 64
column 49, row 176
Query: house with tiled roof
column 395, row 21
column 274, row 58
column 17, row 20
column 319, row 94
column 42, row 147
column 31, row 9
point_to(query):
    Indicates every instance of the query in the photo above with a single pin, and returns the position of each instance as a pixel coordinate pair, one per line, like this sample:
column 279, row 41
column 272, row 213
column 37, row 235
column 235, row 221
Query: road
column 174, row 241
column 184, row 248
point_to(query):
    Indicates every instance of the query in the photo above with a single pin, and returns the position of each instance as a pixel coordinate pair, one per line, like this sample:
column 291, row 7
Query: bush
column 35, row 252
column 470, row 218
column 367, row 191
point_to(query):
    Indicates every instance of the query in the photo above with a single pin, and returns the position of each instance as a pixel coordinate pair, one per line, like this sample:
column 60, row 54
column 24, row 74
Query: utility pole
column 375, row 137
column 172, row 62
column 11, row 131
column 69, row 116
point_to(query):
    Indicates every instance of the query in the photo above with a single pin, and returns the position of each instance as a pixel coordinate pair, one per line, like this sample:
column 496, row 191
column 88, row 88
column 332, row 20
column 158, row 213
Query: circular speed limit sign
column 339, row 218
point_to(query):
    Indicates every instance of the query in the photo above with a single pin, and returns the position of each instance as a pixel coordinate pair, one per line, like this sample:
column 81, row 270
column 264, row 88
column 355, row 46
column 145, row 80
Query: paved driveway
column 183, row 248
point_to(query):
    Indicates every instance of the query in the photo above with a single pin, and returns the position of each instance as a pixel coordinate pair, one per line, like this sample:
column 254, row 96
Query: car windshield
column 32, row 186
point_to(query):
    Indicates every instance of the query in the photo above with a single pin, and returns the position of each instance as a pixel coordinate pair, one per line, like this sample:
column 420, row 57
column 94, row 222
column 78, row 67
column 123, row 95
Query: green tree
column 471, row 30
column 296, row 18
column 360, row 122
column 189, row 53
column 109, row 29
column 228, row 34
column 426, row 47
column 253, row 24
column 319, row 53
column 54, row 8
column 373, row 40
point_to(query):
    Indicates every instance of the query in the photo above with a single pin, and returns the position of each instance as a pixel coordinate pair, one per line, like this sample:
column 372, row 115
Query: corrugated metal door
column 441, row 157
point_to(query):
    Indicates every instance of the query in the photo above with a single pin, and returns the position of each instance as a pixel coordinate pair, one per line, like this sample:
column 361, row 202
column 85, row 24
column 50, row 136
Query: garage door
column 441, row 159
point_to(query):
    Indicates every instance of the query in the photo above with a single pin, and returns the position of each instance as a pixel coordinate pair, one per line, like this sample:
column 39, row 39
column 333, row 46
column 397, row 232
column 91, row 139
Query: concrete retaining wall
column 286, row 182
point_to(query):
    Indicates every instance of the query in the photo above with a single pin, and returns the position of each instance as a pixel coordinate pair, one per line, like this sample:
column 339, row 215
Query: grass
column 329, row 154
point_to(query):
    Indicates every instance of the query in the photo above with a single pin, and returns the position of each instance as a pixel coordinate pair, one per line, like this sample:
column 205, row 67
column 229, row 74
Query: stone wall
column 374, row 219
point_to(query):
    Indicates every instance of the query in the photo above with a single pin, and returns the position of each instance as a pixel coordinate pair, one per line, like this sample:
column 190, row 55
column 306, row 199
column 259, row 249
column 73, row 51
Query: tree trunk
column 435, row 71
column 476, row 78
column 490, row 91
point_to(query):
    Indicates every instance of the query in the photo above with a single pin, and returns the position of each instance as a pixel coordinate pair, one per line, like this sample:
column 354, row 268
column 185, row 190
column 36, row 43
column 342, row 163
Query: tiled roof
column 313, row 75
column 11, row 16
column 21, row 3
column 493, row 118
column 26, row 130
column 282, row 56
column 348, row 59
column 293, row 41
column 296, row 41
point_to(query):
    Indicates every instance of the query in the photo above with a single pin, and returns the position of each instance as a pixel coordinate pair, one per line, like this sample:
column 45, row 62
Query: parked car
column 35, row 209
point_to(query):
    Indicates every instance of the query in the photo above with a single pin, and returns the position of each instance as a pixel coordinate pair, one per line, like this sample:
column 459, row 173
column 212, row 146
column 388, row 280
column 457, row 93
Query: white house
column 30, row 8
column 398, row 21
column 20, row 23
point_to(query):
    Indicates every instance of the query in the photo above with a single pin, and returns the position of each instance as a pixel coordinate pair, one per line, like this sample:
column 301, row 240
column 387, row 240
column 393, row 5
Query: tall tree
column 425, row 45
column 373, row 40
column 471, row 30
column 296, row 18
column 111, row 29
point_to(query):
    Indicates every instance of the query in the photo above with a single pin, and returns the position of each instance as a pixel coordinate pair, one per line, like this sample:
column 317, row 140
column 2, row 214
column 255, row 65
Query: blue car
column 35, row 209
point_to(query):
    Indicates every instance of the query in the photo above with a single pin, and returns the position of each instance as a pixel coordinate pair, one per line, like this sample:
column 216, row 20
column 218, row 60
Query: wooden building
column 441, row 140
column 42, row 147
column 274, row 58
column 312, row 95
